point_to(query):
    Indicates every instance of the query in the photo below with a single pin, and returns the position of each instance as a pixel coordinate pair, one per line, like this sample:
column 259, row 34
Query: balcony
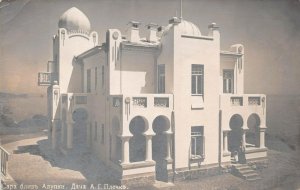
column 245, row 100
column 238, row 102
column 46, row 78
column 143, row 103
column 72, row 101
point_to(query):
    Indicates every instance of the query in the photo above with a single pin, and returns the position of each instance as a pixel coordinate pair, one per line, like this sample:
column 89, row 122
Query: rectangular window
column 102, row 74
column 161, row 78
column 228, row 81
column 88, row 80
column 102, row 134
column 197, row 79
column 96, row 132
column 110, row 144
column 96, row 78
column 197, row 142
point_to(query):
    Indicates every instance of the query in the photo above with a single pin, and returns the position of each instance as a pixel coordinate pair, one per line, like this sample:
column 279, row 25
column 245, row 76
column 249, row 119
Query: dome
column 74, row 20
column 188, row 28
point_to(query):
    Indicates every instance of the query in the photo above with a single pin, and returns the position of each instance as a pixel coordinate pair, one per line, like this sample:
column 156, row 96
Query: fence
column 4, row 161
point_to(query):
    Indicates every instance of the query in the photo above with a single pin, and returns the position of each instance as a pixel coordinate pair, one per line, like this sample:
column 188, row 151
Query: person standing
column 242, row 154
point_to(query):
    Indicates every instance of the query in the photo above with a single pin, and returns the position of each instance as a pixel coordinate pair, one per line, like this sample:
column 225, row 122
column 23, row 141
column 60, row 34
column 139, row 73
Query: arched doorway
column 160, row 125
column 80, row 117
column 137, row 143
column 252, row 136
column 235, row 135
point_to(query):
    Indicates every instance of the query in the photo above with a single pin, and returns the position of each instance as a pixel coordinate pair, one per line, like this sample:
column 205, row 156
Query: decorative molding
column 125, row 46
column 141, row 164
column 198, row 37
column 89, row 52
column 230, row 53
column 80, row 35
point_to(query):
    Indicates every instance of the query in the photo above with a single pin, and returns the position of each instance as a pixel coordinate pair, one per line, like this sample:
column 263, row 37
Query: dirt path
column 26, row 166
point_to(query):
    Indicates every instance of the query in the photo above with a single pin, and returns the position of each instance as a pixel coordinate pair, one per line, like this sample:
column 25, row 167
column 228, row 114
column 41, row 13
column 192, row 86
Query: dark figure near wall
column 242, row 154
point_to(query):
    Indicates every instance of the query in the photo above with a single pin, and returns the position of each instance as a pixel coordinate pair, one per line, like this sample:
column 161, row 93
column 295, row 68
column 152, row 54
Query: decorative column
column 54, row 138
column 225, row 141
column 53, row 134
column 69, row 135
column 168, row 135
column 88, row 134
column 244, row 137
column 113, row 147
column 148, row 147
column 125, row 150
column 262, row 137
column 62, row 132
column 54, row 111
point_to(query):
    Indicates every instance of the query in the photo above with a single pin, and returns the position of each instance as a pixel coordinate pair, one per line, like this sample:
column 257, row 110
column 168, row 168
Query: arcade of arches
column 143, row 145
column 251, row 135
column 73, row 124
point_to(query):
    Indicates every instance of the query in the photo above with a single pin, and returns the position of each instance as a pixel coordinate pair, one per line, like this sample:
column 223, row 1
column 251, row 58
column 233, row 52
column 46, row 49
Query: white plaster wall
column 114, row 60
column 166, row 57
column 189, row 51
column 138, row 72
column 227, row 62
column 71, row 45
column 97, row 108
column 98, row 60
column 231, row 62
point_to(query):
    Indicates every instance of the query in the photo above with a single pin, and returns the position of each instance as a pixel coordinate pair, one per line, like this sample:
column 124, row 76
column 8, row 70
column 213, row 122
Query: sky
column 269, row 30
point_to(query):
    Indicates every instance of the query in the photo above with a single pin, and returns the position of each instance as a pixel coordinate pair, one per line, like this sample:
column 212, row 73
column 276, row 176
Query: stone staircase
column 245, row 172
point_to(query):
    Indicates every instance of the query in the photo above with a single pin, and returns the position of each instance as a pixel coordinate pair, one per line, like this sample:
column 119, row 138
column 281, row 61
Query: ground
column 32, row 162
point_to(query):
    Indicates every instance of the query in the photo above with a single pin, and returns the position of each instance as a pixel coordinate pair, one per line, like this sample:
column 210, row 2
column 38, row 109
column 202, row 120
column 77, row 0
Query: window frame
column 195, row 138
column 96, row 131
column 231, row 79
column 88, row 81
column 161, row 79
column 102, row 75
column 196, row 77
column 102, row 134
column 96, row 78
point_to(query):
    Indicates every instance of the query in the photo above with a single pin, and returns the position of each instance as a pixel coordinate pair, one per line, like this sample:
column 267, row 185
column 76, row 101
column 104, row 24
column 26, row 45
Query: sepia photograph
column 150, row 94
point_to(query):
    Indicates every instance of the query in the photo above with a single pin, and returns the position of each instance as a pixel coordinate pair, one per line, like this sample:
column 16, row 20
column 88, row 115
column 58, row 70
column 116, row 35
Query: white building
column 152, row 106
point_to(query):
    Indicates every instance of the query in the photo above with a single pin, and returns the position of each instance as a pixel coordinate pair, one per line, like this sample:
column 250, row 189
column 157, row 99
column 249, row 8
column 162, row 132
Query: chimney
column 151, row 33
column 174, row 20
column 133, row 33
column 213, row 29
column 160, row 31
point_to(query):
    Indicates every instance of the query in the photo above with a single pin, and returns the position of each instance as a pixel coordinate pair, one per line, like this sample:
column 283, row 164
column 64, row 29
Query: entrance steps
column 245, row 172
column 163, row 185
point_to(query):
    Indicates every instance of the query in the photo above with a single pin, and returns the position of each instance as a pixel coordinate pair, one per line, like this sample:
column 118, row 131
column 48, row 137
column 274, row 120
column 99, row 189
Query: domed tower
column 75, row 21
column 74, row 37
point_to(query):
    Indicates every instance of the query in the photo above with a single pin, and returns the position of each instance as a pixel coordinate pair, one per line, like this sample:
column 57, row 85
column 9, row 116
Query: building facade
column 153, row 106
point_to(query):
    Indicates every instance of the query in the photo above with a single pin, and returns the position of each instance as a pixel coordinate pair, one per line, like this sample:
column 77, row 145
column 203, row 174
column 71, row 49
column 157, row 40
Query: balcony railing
column 161, row 102
column 142, row 102
column 74, row 99
column 80, row 99
column 139, row 102
column 46, row 78
column 235, row 100
column 4, row 161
